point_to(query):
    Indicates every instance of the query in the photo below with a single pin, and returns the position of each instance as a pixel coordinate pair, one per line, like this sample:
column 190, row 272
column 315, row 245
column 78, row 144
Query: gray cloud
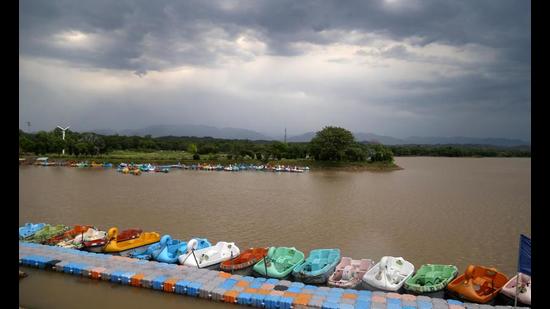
column 492, row 75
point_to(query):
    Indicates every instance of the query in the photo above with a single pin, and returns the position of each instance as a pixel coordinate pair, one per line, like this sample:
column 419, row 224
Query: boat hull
column 316, row 279
column 210, row 256
column 389, row 274
column 247, row 259
column 317, row 268
column 524, row 295
column 280, row 262
column 431, row 279
column 478, row 284
column 349, row 273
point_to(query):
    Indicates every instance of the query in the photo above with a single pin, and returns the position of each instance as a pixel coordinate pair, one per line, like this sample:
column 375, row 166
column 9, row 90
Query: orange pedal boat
column 246, row 259
column 69, row 235
column 478, row 284
column 114, row 244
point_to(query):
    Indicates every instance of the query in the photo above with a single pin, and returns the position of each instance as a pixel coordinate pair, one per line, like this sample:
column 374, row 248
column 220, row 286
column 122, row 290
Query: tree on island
column 331, row 143
column 338, row 144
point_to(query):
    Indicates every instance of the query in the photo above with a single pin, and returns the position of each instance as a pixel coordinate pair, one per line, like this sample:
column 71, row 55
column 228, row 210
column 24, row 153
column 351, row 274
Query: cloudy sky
column 392, row 67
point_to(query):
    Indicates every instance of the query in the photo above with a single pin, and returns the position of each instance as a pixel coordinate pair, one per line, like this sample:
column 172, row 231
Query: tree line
column 329, row 144
column 460, row 151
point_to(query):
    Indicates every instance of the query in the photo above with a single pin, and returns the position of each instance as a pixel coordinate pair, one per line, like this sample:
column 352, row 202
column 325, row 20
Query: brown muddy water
column 436, row 210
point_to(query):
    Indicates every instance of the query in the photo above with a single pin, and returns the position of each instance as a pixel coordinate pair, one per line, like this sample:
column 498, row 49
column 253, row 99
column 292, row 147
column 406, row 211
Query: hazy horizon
column 389, row 67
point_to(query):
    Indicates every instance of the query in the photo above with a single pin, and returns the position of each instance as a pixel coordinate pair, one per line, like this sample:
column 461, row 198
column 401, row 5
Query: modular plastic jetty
column 221, row 286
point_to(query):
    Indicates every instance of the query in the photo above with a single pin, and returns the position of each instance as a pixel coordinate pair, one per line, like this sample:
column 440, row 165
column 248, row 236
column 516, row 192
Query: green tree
column 331, row 143
column 192, row 148
column 380, row 153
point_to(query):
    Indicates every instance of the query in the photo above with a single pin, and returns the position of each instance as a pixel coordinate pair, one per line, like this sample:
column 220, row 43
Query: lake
column 436, row 210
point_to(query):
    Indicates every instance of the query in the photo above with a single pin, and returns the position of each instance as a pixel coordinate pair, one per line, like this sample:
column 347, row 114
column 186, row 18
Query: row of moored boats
column 478, row 284
column 148, row 167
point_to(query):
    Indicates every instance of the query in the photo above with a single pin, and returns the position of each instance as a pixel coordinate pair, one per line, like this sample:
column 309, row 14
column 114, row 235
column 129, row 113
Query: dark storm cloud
column 177, row 32
column 492, row 76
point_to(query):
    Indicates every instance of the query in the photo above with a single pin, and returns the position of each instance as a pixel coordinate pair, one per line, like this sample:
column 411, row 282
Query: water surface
column 436, row 210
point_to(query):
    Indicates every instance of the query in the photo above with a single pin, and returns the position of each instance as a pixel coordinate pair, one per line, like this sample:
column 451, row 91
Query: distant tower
column 63, row 130
column 29, row 125
column 285, row 135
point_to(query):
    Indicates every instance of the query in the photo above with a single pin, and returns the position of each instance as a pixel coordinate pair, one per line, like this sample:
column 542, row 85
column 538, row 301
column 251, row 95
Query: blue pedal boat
column 318, row 266
column 30, row 229
column 173, row 248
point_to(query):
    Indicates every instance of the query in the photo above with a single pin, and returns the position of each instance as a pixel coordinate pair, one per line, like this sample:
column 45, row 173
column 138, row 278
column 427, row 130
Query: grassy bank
column 172, row 157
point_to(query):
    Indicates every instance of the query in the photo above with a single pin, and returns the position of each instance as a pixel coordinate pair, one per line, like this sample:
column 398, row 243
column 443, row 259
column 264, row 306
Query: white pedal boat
column 222, row 251
column 389, row 274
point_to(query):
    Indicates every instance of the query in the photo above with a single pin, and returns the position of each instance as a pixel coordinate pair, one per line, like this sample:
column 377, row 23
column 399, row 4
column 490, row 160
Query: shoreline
column 315, row 165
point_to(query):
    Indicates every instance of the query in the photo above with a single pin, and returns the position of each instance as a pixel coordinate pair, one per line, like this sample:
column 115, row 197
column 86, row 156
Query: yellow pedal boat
column 145, row 238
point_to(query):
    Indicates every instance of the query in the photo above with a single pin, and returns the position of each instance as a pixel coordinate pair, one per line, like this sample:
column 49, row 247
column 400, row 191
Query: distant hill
column 388, row 140
column 194, row 130
column 306, row 137
column 237, row 133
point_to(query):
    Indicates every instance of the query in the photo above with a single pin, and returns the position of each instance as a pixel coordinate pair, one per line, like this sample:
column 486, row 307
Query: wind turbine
column 63, row 130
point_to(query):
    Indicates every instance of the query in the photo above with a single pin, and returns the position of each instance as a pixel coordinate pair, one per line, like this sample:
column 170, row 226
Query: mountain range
column 237, row 133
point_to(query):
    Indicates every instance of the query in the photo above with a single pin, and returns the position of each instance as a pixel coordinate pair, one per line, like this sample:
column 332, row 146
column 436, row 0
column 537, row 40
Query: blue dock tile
column 158, row 282
column 285, row 302
column 256, row 285
column 257, row 300
column 80, row 269
column 244, row 299
column 393, row 306
column 68, row 268
column 364, row 292
column 294, row 289
column 181, row 286
column 297, row 285
column 330, row 305
column 193, row 289
column 272, row 301
column 126, row 278
column 247, row 278
column 272, row 281
column 228, row 284
column 454, row 302
column 424, row 305
column 260, row 279
column 346, row 306
column 115, row 276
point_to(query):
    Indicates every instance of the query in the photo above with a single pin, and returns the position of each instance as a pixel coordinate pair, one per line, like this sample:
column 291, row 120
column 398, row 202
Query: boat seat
column 347, row 274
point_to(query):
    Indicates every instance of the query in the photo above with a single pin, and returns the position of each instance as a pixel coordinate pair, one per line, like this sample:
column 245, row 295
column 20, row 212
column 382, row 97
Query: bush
column 196, row 156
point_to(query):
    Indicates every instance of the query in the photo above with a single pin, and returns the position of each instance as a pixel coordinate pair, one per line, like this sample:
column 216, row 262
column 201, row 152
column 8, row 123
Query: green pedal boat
column 319, row 265
column 279, row 262
column 48, row 232
column 431, row 280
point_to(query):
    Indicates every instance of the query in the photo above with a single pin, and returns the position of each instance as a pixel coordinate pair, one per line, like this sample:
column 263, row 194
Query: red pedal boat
column 69, row 235
column 248, row 258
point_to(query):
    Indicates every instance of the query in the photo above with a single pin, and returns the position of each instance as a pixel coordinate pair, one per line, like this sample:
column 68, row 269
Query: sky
column 392, row 67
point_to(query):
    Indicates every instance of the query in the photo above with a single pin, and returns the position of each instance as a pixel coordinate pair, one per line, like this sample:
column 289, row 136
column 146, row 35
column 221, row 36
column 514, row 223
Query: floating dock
column 221, row 286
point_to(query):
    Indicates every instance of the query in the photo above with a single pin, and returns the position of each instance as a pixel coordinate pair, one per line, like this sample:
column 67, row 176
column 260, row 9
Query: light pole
column 63, row 130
